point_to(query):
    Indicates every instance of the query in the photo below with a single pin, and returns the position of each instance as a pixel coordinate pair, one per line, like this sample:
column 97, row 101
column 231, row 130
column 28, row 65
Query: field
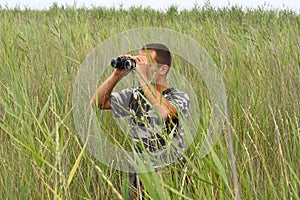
column 256, row 51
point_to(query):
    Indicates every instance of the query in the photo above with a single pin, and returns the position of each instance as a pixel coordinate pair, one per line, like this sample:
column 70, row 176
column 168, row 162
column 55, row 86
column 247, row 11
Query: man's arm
column 101, row 98
column 163, row 106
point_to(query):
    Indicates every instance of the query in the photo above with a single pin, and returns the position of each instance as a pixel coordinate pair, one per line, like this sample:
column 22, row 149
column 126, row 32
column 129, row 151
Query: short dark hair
column 163, row 55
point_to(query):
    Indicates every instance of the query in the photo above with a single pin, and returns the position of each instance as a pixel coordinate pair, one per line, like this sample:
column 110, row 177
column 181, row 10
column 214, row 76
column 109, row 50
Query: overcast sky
column 156, row 4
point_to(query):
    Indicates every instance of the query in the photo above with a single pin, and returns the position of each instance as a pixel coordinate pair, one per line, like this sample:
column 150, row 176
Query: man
column 153, row 108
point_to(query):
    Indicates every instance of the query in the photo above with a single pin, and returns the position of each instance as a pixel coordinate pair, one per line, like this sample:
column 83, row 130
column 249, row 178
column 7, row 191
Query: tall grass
column 257, row 52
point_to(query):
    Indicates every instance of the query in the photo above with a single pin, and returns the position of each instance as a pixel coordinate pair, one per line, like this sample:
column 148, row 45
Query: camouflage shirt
column 146, row 126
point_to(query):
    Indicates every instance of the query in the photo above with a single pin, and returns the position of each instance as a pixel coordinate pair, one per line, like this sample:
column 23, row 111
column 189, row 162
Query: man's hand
column 142, row 68
column 142, row 71
column 120, row 73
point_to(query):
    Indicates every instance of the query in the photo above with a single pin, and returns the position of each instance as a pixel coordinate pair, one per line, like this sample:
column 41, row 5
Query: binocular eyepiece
column 123, row 63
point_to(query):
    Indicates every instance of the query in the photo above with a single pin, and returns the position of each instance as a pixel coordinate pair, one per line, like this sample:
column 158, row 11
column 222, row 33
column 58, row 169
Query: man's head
column 160, row 54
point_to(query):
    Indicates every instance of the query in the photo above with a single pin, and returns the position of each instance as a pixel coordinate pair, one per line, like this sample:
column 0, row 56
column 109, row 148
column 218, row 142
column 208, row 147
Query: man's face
column 152, row 64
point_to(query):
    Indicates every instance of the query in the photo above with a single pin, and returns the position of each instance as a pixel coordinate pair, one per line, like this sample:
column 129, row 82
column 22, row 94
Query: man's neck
column 161, row 85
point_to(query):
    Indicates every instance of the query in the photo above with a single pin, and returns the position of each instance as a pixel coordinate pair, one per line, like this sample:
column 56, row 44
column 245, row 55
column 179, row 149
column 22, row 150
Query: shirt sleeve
column 120, row 102
column 180, row 101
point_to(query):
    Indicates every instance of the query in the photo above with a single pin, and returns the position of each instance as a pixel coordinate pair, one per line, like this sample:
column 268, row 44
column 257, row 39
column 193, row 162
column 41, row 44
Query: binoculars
column 123, row 63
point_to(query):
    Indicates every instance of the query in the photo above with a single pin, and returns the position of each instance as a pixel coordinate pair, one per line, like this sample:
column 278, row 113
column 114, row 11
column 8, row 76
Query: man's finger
column 126, row 56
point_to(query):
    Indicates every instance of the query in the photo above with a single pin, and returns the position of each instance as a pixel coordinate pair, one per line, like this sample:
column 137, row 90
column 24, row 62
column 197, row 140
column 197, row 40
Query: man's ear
column 164, row 69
